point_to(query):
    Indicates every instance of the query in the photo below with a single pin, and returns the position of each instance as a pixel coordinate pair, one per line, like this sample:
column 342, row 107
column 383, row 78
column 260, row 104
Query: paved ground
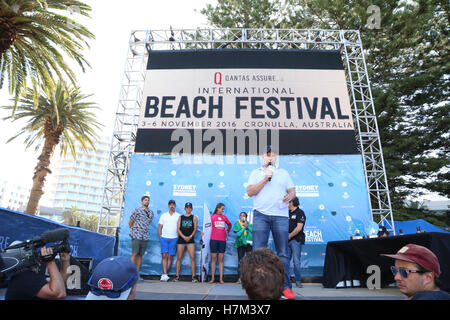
column 183, row 290
column 156, row 290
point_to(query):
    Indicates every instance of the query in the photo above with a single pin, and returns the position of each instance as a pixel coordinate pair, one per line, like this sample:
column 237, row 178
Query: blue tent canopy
column 409, row 227
column 84, row 243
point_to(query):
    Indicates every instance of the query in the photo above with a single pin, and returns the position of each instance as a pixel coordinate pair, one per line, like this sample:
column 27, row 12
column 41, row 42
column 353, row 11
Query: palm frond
column 75, row 119
column 43, row 30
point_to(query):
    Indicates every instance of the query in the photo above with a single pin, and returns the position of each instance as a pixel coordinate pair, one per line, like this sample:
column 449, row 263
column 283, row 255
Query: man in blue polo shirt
column 272, row 189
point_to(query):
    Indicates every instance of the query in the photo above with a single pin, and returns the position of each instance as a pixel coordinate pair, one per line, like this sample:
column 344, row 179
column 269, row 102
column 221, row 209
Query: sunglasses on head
column 404, row 272
column 110, row 293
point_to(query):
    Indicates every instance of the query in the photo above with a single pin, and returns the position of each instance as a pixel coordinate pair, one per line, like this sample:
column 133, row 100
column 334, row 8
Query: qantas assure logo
column 218, row 77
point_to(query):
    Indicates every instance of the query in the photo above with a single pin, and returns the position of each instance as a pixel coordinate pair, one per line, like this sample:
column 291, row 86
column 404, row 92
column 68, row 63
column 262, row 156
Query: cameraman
column 29, row 285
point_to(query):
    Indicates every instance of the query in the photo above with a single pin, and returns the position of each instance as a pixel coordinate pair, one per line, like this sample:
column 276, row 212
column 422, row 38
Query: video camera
column 26, row 256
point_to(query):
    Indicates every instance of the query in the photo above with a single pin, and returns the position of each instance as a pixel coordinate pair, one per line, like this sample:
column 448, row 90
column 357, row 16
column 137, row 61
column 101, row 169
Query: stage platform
column 184, row 290
column 156, row 290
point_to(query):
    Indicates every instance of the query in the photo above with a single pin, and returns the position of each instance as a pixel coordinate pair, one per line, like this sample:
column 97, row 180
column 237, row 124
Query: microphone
column 271, row 168
column 54, row 236
column 47, row 237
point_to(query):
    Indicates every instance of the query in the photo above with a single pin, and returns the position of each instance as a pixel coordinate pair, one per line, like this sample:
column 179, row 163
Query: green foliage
column 88, row 222
column 243, row 14
column 36, row 38
column 416, row 210
column 68, row 110
column 408, row 63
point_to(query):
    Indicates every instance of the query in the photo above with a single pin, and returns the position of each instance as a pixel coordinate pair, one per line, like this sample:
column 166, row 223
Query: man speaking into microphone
column 272, row 189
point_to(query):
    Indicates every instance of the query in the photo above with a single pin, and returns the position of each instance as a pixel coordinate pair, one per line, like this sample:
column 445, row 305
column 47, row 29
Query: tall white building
column 79, row 182
column 13, row 195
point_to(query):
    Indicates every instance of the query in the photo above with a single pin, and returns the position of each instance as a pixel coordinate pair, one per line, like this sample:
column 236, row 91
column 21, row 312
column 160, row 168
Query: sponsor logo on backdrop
column 221, row 185
column 307, row 190
column 313, row 234
column 221, row 195
column 340, row 162
column 150, row 161
column 182, row 190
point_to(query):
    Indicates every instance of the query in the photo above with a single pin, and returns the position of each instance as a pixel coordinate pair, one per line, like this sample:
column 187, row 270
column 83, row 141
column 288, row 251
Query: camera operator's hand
column 55, row 289
column 47, row 255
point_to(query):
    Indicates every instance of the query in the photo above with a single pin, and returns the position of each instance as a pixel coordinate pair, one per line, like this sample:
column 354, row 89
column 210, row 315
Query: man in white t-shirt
column 272, row 189
column 168, row 236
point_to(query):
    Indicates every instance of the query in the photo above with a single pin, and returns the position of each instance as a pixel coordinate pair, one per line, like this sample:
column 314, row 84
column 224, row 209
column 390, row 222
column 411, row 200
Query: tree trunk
column 8, row 34
column 42, row 168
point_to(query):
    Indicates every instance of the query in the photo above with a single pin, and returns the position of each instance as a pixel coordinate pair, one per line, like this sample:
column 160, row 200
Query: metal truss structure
column 348, row 42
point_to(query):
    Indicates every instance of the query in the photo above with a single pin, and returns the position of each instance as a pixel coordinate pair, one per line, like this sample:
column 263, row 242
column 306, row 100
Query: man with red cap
column 416, row 272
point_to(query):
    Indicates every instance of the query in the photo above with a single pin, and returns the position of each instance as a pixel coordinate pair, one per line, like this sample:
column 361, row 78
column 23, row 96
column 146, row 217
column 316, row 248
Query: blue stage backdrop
column 331, row 189
column 83, row 243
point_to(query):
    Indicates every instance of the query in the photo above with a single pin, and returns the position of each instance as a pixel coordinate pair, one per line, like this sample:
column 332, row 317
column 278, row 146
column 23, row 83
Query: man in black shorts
column 139, row 224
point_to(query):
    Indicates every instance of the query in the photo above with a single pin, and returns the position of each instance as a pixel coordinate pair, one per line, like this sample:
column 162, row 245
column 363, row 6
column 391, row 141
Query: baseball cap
column 414, row 253
column 172, row 201
column 113, row 278
column 188, row 204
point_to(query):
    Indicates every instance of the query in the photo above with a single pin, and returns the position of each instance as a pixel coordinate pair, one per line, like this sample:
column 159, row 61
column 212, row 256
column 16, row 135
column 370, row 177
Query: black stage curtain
column 348, row 260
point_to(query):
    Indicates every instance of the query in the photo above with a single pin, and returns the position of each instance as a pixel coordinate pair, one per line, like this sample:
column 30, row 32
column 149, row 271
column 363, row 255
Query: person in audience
column 417, row 272
column 114, row 278
column 262, row 275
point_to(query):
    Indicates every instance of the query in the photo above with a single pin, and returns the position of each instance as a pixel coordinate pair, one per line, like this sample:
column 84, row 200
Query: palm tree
column 31, row 34
column 55, row 121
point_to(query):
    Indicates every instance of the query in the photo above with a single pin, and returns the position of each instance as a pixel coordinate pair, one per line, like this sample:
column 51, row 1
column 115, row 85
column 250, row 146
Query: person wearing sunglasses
column 114, row 278
column 417, row 272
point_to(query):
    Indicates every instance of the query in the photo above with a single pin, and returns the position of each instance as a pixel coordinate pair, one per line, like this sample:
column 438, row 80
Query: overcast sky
column 111, row 22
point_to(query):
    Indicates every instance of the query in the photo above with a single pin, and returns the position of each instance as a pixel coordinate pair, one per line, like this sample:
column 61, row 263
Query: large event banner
column 296, row 95
column 331, row 189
